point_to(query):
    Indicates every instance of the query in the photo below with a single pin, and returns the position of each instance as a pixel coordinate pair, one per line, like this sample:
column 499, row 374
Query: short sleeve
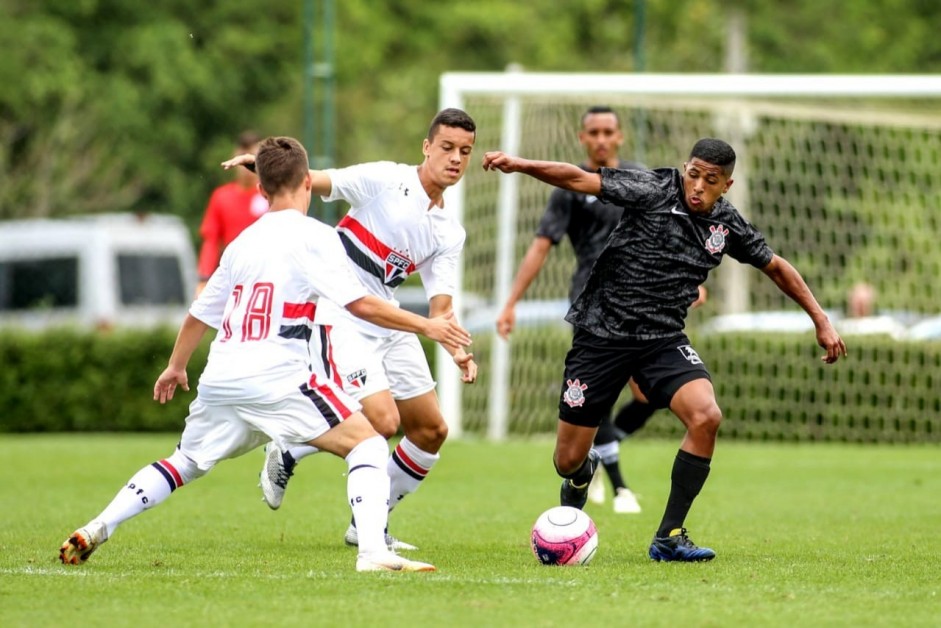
column 358, row 184
column 439, row 275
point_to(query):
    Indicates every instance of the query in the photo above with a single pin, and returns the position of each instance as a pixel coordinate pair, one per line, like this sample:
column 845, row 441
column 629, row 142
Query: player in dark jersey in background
column 630, row 317
column 588, row 221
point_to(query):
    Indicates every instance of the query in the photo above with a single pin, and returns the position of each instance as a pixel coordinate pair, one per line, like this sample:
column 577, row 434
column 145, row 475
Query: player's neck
column 434, row 191
column 289, row 202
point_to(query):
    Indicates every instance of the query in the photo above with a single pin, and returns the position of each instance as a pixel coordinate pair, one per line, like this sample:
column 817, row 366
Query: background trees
column 111, row 105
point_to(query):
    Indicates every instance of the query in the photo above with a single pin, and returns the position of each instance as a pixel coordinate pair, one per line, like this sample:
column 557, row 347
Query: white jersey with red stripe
column 391, row 231
column 262, row 298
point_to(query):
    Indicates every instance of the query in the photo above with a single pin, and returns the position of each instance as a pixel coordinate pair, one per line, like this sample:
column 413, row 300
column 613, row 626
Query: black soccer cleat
column 575, row 495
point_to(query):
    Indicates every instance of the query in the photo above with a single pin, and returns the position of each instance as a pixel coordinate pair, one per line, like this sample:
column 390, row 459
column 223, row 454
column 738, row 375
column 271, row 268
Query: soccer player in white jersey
column 398, row 224
column 258, row 385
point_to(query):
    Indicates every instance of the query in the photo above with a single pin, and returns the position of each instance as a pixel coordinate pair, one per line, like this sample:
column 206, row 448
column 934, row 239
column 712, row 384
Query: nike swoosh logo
column 676, row 210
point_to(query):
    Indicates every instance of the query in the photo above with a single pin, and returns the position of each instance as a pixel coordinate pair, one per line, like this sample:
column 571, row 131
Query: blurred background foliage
column 112, row 105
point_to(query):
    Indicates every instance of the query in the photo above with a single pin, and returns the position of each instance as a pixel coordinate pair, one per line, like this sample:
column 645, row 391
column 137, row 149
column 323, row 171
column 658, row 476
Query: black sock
column 606, row 433
column 633, row 416
column 614, row 474
column 689, row 475
column 580, row 476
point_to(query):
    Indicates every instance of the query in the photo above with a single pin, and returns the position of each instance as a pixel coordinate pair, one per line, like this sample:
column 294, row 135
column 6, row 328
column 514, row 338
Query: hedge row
column 73, row 380
column 770, row 386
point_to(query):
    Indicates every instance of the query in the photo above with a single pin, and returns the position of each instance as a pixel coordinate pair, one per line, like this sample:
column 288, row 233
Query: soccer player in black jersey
column 629, row 319
column 588, row 221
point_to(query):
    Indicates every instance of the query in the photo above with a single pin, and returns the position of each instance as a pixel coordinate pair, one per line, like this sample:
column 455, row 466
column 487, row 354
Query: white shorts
column 363, row 364
column 218, row 432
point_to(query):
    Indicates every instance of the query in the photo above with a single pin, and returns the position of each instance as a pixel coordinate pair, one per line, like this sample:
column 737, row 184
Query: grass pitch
column 812, row 535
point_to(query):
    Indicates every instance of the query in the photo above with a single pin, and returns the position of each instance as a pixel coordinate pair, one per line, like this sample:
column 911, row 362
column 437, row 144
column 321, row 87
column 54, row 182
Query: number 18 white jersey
column 263, row 299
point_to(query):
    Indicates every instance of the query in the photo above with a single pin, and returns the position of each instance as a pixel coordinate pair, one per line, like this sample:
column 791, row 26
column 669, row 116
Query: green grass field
column 821, row 535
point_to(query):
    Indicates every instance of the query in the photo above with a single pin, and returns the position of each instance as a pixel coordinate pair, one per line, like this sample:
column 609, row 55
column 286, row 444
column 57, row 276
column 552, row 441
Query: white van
column 107, row 270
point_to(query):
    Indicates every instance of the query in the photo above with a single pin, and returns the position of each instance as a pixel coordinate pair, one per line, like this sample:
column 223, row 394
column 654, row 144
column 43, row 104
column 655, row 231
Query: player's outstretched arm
column 190, row 334
column 443, row 328
column 555, row 173
column 790, row 282
column 320, row 181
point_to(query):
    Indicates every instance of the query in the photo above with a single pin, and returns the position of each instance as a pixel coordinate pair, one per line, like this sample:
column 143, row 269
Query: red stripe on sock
column 411, row 464
column 172, row 471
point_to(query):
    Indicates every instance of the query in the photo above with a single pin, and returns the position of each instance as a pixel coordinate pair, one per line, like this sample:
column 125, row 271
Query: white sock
column 408, row 465
column 609, row 452
column 301, row 451
column 367, row 487
column 149, row 487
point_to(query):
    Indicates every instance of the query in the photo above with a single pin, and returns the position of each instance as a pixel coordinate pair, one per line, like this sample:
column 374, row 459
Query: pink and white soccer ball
column 564, row 536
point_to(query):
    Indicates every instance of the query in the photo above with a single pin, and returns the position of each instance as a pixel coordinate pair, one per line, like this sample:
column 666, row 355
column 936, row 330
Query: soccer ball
column 564, row 536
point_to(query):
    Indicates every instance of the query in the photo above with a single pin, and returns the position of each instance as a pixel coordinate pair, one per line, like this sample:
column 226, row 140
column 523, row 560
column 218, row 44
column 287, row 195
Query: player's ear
column 426, row 147
column 728, row 184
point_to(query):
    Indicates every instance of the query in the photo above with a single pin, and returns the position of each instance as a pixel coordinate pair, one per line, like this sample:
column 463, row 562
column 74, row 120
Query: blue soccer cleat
column 678, row 547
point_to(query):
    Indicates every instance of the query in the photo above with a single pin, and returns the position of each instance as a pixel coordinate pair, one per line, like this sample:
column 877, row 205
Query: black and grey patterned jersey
column 658, row 255
column 587, row 220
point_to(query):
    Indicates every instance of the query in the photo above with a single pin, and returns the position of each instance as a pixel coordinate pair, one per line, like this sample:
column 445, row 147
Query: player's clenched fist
column 497, row 160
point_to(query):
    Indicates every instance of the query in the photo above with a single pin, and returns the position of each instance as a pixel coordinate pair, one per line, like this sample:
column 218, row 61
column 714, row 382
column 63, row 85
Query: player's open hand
column 446, row 330
column 498, row 160
column 167, row 383
column 465, row 361
column 245, row 159
column 831, row 341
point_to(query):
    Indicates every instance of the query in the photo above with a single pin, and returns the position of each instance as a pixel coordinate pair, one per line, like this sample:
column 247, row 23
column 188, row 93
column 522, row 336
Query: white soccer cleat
column 274, row 476
column 596, row 492
column 352, row 538
column 389, row 561
column 625, row 502
column 81, row 543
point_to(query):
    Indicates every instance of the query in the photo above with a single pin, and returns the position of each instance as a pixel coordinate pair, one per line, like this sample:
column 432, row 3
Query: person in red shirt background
column 232, row 207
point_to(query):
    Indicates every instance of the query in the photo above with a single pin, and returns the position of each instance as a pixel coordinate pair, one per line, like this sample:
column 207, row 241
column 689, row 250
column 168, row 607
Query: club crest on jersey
column 396, row 268
column 716, row 242
column 357, row 379
column 575, row 393
column 690, row 354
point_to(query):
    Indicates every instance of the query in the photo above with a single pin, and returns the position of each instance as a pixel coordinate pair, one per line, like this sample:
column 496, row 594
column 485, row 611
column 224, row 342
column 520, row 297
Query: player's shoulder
column 378, row 170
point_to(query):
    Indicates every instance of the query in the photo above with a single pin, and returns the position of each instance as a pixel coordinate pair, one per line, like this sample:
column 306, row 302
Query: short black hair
column 715, row 152
column 453, row 118
column 600, row 109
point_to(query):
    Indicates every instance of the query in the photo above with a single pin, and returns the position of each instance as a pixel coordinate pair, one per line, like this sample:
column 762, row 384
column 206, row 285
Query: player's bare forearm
column 557, row 173
column 529, row 269
column 443, row 328
column 187, row 340
column 791, row 283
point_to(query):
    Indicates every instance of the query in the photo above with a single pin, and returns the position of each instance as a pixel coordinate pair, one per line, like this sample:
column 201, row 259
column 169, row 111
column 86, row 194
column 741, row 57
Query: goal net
column 841, row 173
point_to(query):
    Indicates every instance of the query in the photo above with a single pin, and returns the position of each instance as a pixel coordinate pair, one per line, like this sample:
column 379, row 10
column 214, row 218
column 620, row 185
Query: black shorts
column 597, row 369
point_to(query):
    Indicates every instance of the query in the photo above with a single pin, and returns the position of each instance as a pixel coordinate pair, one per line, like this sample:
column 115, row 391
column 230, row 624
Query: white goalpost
column 815, row 156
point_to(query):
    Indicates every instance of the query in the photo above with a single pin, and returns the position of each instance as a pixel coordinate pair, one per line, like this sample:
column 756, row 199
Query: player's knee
column 385, row 423
column 568, row 461
column 706, row 420
column 428, row 435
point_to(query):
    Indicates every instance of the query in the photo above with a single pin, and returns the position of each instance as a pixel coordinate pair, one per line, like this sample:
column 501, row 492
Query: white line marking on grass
column 84, row 572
